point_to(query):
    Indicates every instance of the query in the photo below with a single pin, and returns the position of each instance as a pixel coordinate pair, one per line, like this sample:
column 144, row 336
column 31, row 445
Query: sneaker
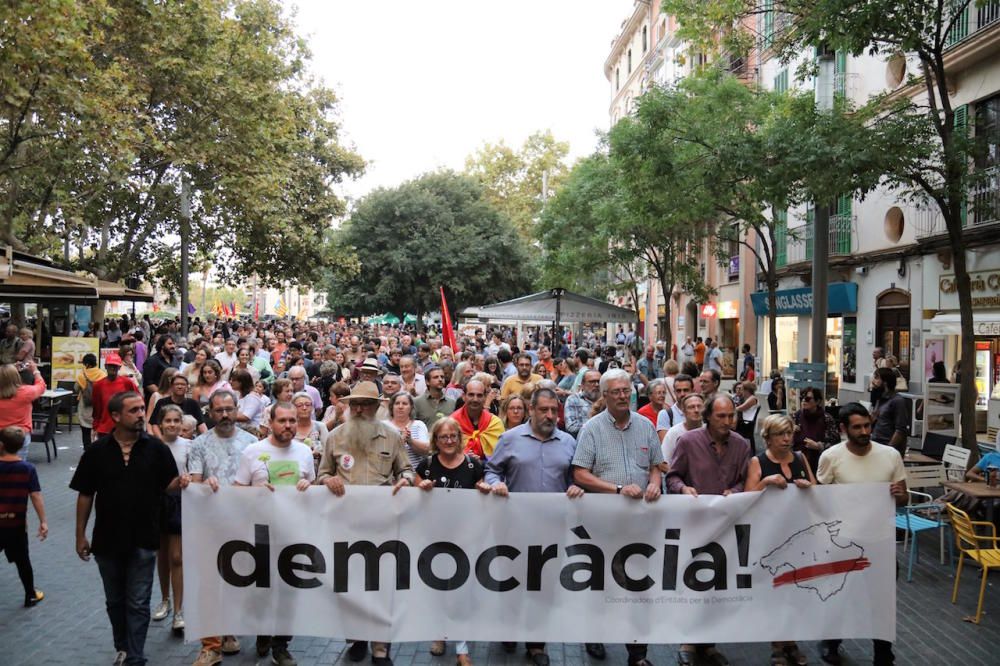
column 33, row 601
column 263, row 645
column 120, row 658
column 230, row 645
column 208, row 658
column 162, row 611
column 178, row 623
column 282, row 657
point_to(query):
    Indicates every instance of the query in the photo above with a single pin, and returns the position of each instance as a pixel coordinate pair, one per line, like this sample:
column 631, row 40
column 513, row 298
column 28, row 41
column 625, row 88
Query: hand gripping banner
column 793, row 564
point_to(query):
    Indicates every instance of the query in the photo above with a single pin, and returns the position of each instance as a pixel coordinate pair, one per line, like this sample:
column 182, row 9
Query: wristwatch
column 618, row 489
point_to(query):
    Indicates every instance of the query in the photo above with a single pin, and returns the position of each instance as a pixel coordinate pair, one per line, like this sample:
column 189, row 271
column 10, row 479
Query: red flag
column 447, row 332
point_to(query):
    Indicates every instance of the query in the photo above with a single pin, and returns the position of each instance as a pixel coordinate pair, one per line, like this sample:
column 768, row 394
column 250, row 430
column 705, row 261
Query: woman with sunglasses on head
column 815, row 430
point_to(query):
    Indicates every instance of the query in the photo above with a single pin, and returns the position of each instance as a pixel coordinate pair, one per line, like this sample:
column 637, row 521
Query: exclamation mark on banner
column 744, row 580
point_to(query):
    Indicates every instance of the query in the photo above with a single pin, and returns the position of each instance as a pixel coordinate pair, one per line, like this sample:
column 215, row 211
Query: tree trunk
column 100, row 308
column 772, row 315
column 967, row 347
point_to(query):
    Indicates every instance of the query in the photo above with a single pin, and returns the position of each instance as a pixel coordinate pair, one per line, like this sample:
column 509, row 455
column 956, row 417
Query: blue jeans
column 128, row 583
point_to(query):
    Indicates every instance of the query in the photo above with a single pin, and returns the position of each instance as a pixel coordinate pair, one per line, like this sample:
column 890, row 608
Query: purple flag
column 191, row 309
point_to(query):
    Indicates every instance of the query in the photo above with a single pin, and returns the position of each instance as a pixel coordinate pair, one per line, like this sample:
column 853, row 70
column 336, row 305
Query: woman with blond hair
column 513, row 411
column 449, row 466
column 16, row 398
column 779, row 466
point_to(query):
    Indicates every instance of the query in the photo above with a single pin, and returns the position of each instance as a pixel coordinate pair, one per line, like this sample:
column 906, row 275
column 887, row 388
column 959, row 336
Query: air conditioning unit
column 861, row 270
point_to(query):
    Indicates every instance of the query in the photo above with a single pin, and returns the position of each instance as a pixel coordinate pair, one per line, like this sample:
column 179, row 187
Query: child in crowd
column 18, row 483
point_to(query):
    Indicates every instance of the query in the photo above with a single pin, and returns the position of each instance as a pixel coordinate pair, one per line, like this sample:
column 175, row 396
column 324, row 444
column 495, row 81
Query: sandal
column 778, row 658
column 795, row 655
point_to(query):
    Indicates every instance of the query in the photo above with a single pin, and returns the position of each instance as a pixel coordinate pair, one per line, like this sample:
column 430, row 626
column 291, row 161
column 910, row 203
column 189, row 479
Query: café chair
column 969, row 544
column 43, row 429
column 921, row 516
column 956, row 461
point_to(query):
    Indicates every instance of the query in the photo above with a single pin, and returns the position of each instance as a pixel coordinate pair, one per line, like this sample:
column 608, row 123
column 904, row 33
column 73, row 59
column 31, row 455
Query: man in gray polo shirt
column 433, row 404
column 618, row 452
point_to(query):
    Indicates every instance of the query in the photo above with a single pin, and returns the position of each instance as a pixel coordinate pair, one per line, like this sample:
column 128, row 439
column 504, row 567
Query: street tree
column 515, row 180
column 926, row 29
column 576, row 232
column 216, row 92
column 751, row 154
column 436, row 230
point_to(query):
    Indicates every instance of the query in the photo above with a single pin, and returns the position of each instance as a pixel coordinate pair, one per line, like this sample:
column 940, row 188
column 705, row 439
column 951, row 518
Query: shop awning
column 541, row 307
column 115, row 291
column 984, row 322
column 27, row 278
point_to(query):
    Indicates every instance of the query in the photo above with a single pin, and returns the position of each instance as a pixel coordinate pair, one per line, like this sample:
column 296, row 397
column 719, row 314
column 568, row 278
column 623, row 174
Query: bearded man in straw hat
column 365, row 451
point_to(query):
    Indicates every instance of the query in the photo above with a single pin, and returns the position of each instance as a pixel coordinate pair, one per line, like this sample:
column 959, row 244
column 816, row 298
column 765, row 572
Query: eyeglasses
column 807, row 398
column 448, row 438
column 619, row 392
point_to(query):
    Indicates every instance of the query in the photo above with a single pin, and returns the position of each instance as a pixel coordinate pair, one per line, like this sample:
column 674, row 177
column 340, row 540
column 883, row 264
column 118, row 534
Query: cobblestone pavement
column 70, row 626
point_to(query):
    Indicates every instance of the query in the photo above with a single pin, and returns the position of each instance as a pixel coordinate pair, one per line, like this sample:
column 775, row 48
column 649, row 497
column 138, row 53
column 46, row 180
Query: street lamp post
column 185, row 259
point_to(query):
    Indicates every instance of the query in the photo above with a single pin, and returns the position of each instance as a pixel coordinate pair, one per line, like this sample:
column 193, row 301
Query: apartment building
column 648, row 52
column 891, row 277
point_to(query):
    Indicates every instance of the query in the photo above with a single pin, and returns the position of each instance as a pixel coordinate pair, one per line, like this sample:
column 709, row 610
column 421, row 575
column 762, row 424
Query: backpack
column 87, row 394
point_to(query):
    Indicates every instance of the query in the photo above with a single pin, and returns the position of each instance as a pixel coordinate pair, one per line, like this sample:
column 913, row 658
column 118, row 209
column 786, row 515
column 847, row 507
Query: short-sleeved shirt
column 418, row 432
column 620, row 456
column 154, row 366
column 17, row 481
column 881, row 464
column 128, row 497
column 990, row 459
column 468, row 473
column 263, row 462
column 428, row 410
column 893, row 417
column 189, row 406
column 211, row 455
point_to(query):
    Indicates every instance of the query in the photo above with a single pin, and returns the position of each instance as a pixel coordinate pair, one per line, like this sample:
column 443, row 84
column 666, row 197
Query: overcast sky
column 423, row 84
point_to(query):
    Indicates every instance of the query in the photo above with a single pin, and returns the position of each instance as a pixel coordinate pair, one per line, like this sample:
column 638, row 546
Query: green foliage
column 513, row 179
column 436, row 230
column 104, row 105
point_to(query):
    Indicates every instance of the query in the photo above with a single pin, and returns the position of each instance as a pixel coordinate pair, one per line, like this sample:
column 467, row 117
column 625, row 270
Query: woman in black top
column 449, row 467
column 779, row 466
column 776, row 401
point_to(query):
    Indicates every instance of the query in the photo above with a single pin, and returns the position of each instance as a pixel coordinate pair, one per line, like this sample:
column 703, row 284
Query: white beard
column 360, row 431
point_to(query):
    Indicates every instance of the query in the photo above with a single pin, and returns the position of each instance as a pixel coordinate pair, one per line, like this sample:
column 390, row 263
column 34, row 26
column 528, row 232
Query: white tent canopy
column 541, row 307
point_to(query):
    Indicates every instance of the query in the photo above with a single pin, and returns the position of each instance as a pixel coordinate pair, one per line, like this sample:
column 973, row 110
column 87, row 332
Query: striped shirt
column 17, row 480
column 620, row 456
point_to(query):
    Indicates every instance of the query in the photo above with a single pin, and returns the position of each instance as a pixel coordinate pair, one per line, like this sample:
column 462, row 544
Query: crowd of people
column 242, row 403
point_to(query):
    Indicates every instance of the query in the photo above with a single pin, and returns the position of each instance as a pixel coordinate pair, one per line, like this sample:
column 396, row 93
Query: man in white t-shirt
column 277, row 461
column 859, row 460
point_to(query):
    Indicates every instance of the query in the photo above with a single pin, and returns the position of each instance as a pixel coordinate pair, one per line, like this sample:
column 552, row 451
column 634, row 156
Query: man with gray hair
column 213, row 459
column 618, row 452
column 298, row 376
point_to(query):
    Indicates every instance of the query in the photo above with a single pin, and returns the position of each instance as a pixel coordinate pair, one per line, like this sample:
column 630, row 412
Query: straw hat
column 363, row 391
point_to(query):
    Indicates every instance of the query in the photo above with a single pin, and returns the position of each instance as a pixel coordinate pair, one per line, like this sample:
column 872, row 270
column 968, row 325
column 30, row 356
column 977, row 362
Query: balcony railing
column 841, row 239
column 981, row 208
column 972, row 20
column 845, row 85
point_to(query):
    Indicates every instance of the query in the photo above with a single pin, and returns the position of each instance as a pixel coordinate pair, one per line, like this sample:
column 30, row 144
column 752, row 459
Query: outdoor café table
column 978, row 490
column 917, row 458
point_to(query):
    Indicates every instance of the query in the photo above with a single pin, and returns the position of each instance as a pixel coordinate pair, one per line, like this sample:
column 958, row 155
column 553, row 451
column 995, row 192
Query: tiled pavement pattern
column 70, row 626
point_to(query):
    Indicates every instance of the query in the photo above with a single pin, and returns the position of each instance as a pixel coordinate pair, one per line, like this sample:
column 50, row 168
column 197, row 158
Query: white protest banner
column 793, row 564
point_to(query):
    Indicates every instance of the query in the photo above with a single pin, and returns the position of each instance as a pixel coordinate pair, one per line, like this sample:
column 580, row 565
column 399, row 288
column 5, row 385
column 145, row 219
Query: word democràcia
column 299, row 565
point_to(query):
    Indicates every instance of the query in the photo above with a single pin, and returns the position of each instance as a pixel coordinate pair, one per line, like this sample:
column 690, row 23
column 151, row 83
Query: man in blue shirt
column 978, row 471
column 534, row 457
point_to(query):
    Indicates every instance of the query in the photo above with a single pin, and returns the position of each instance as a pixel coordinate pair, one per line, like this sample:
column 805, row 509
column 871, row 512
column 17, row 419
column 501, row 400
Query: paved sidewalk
column 70, row 626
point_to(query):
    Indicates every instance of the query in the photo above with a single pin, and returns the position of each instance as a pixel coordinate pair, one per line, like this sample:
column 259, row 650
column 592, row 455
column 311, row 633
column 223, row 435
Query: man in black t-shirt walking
column 128, row 471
